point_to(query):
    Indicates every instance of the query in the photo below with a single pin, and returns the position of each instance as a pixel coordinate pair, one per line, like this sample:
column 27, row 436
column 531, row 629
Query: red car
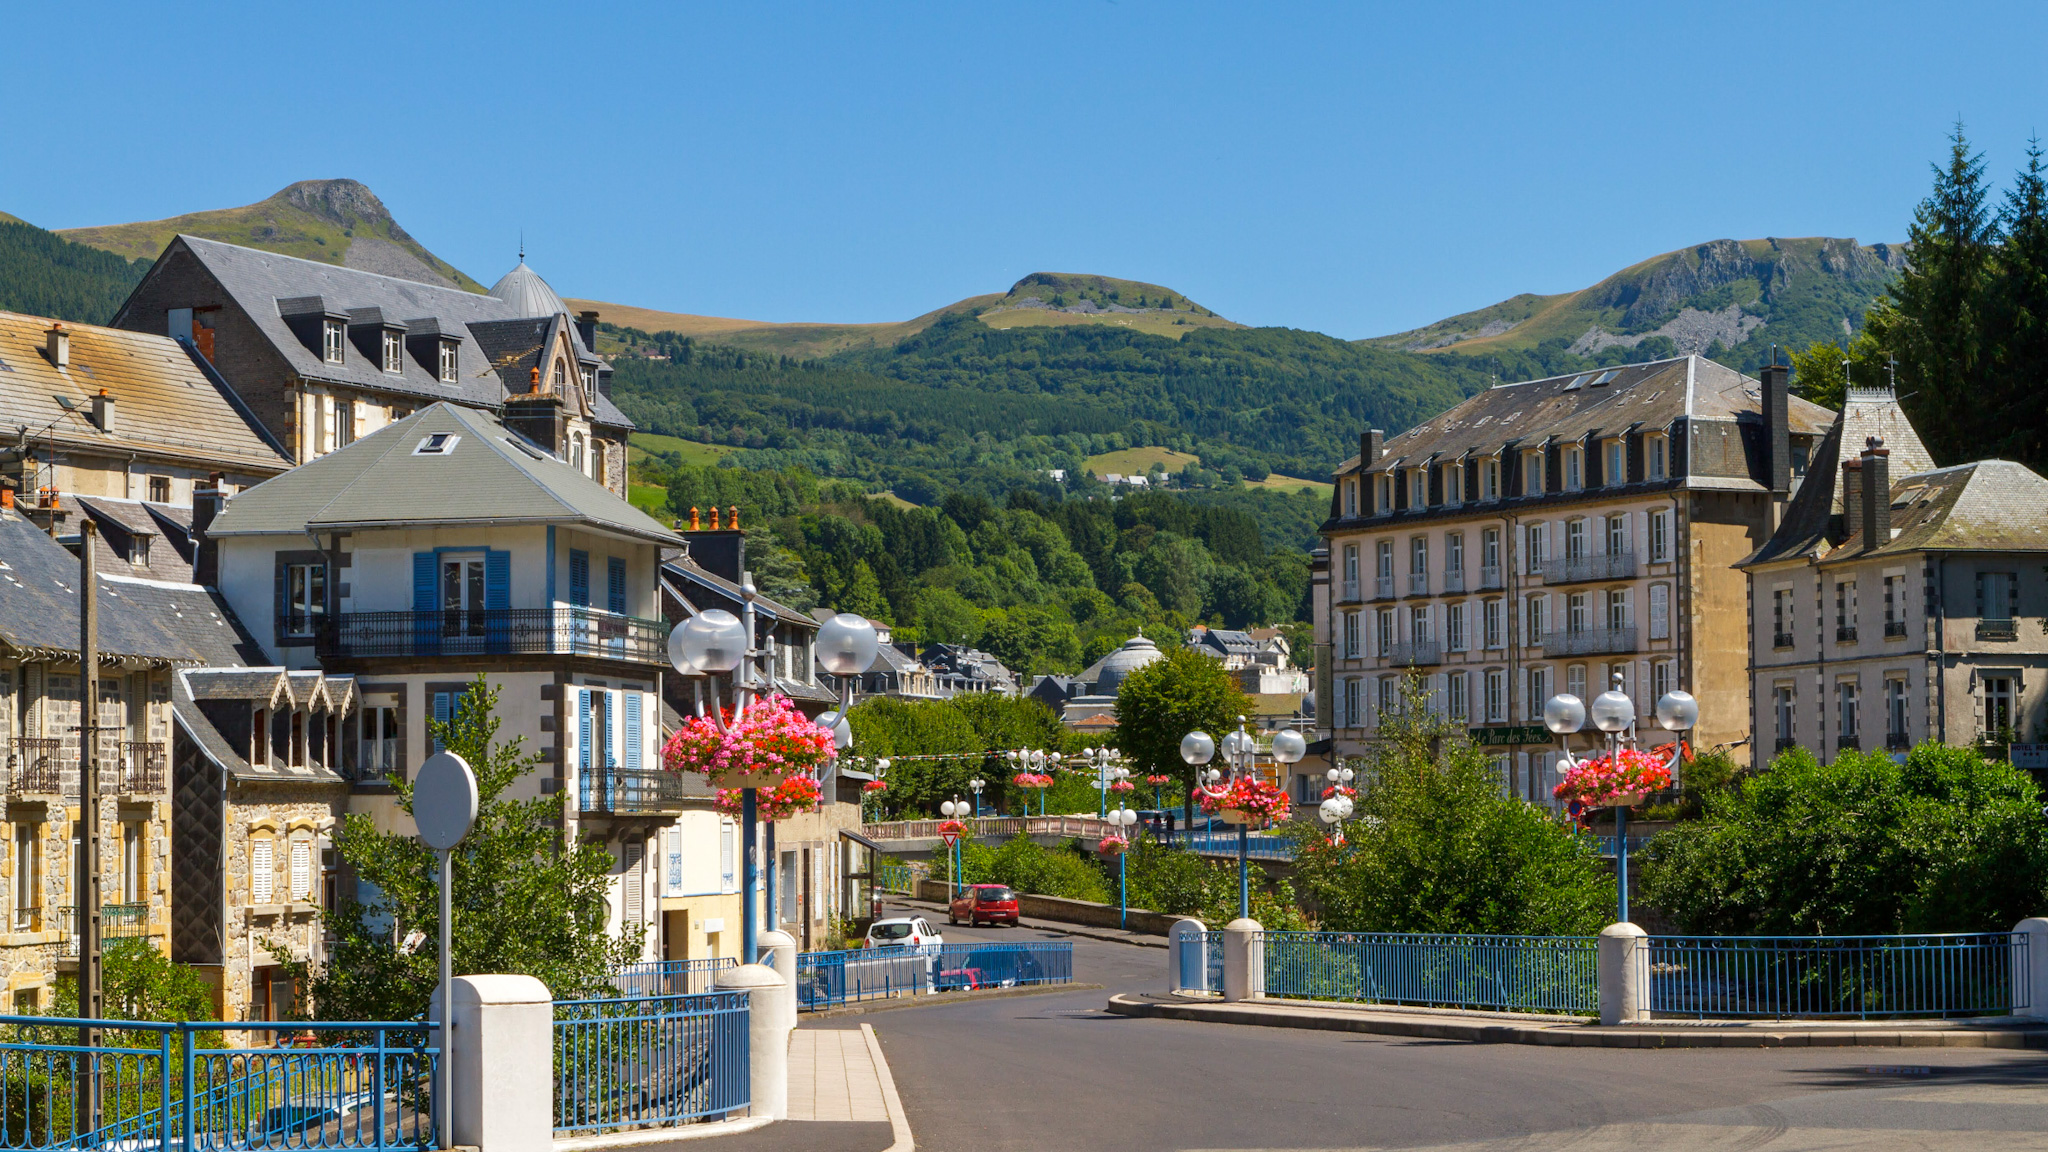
column 994, row 903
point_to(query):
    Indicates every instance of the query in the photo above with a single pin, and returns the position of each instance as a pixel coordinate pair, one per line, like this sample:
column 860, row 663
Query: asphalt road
column 1057, row 1072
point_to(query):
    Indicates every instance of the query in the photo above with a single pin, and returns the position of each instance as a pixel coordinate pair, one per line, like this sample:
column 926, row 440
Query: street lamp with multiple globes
column 715, row 642
column 1099, row 759
column 952, row 810
column 977, row 784
column 1339, row 806
column 1121, row 819
column 1614, row 714
column 1240, row 753
column 1035, row 762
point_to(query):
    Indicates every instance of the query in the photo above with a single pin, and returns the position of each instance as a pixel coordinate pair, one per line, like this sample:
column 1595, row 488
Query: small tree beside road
column 1165, row 700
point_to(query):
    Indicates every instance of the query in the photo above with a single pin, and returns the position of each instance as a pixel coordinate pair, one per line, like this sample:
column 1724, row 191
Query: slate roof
column 1229, row 641
column 157, row 534
column 266, row 284
column 491, row 475
column 687, row 571
column 1989, row 506
column 155, row 620
column 1569, row 407
column 190, row 686
column 165, row 404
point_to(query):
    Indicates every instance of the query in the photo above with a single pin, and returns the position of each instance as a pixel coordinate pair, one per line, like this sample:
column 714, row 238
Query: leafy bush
column 1028, row 867
column 1946, row 842
column 1181, row 883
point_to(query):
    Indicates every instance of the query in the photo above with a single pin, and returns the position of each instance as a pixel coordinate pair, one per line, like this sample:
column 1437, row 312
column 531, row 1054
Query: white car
column 904, row 932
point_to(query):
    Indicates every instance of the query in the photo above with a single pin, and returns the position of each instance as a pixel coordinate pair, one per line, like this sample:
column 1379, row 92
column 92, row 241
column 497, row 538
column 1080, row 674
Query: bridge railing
column 633, row 1061
column 670, row 977
column 829, row 979
column 987, row 827
column 1960, row 974
column 161, row 1086
column 1507, row 973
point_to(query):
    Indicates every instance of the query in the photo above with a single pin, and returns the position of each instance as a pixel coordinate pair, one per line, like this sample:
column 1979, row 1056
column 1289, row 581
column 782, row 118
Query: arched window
column 576, row 451
column 560, row 377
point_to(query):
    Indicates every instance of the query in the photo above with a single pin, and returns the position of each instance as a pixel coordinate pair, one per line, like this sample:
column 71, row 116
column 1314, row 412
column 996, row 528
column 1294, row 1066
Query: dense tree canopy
column 1165, row 700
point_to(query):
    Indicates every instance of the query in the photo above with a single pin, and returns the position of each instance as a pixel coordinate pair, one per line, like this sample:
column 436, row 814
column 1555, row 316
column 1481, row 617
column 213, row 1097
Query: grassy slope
column 802, row 340
column 689, row 451
column 276, row 224
column 1138, row 461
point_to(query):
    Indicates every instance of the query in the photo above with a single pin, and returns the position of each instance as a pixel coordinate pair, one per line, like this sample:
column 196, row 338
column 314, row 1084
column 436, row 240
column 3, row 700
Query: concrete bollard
column 1187, row 963
column 1244, row 960
column 779, row 950
column 1624, row 974
column 2030, row 968
column 767, row 1035
column 503, row 1087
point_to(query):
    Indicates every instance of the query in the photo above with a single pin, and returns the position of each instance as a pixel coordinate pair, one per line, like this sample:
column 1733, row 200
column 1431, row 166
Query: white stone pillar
column 503, row 1079
column 1176, row 963
column 1624, row 974
column 779, row 952
column 1244, row 960
column 2030, row 968
column 767, row 1036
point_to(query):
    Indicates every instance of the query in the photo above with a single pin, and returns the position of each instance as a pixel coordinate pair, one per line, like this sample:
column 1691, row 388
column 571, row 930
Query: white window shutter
column 635, row 883
column 262, row 871
column 1660, row 611
column 302, row 870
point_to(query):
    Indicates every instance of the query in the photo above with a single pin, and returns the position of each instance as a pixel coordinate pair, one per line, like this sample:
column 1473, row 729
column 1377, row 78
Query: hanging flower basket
column 1159, row 781
column 1622, row 779
column 1122, row 786
column 875, row 786
column 1247, row 801
column 952, row 827
column 1336, row 790
column 1113, row 845
column 1031, row 780
column 787, row 798
column 769, row 743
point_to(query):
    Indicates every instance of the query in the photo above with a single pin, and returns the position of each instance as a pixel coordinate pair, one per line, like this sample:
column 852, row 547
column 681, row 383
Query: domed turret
column 527, row 293
column 1133, row 655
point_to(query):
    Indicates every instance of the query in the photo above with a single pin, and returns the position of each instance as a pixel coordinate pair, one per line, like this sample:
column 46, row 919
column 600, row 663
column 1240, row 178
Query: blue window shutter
column 497, row 578
column 579, row 578
column 615, row 584
column 426, row 627
column 611, row 725
column 423, row 582
column 444, row 711
column 583, row 729
column 633, row 731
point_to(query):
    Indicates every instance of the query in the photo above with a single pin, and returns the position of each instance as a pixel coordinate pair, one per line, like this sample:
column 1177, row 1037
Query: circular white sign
column 444, row 800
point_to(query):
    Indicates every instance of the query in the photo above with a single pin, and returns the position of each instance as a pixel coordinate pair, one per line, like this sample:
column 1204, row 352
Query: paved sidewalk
column 832, row 1076
column 1576, row 1032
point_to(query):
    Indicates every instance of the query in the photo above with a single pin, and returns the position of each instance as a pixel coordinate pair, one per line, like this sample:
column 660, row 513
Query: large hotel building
column 1545, row 535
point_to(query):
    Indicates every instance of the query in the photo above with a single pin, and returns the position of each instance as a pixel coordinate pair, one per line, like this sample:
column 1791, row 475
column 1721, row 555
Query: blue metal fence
column 828, row 979
column 158, row 1086
column 1257, row 847
column 900, row 879
column 1514, row 973
column 670, row 977
column 631, row 1061
column 1201, row 963
column 1963, row 974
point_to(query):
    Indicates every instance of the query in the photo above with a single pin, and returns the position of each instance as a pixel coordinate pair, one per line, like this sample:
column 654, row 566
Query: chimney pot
column 57, row 345
column 734, row 512
column 695, row 525
column 7, row 498
column 103, row 412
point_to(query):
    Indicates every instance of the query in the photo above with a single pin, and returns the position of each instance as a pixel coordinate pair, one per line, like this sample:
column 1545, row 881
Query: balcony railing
column 1578, row 569
column 1414, row 653
column 1990, row 629
column 1781, row 640
column 117, row 922
column 1383, row 588
column 1418, row 583
column 35, row 767
column 1894, row 628
column 627, row 791
column 1897, row 742
column 142, row 767
column 1845, row 634
column 1350, row 592
column 1489, row 578
column 1785, row 742
column 1590, row 641
column 1454, row 580
column 561, row 631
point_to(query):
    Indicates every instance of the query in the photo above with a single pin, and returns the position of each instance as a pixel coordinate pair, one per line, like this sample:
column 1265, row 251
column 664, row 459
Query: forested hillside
column 1048, row 585
column 43, row 274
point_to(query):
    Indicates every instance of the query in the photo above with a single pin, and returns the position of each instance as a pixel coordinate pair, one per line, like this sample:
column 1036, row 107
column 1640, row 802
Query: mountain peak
column 345, row 202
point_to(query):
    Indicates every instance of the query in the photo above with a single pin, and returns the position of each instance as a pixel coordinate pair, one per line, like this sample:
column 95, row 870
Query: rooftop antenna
column 1891, row 374
column 522, row 245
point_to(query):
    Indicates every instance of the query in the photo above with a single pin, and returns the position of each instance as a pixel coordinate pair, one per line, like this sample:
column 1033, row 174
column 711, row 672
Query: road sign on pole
column 950, row 837
column 444, row 803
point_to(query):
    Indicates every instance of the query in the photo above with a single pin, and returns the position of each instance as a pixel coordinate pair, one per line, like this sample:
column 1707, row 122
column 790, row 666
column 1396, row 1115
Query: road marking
column 899, row 1124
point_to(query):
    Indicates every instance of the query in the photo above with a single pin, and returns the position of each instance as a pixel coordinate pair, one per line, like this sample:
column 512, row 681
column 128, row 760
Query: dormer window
column 437, row 444
column 332, row 336
column 589, row 383
column 1574, row 470
column 446, row 373
column 1532, row 474
column 560, row 377
column 1489, row 479
column 1617, row 462
column 1653, row 453
column 394, row 351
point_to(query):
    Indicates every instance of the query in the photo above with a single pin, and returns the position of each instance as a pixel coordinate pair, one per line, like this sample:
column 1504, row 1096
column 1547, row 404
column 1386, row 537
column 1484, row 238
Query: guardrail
column 829, row 979
column 149, row 1086
column 1601, row 566
column 631, row 1061
column 561, row 630
column 1225, row 844
column 1964, row 974
column 633, row 791
column 1512, row 973
column 670, row 977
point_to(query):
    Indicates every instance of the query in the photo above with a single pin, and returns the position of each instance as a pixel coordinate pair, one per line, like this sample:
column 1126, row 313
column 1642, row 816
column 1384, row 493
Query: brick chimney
column 103, row 412
column 1371, row 446
column 1877, row 495
column 1777, row 380
column 1852, row 496
column 586, row 323
column 57, row 346
column 538, row 417
column 206, row 504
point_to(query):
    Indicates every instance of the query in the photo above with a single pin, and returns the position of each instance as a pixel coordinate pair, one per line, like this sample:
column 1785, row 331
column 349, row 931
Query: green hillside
column 333, row 221
column 43, row 274
column 1728, row 299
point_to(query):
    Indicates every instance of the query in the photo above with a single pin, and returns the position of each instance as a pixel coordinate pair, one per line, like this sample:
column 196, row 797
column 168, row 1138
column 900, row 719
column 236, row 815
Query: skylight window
column 437, row 444
column 1610, row 374
column 1578, row 382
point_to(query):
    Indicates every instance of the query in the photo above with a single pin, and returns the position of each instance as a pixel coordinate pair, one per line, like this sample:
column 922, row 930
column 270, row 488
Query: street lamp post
column 1122, row 819
column 977, row 784
column 951, row 810
column 714, row 642
column 1240, row 753
column 1614, row 714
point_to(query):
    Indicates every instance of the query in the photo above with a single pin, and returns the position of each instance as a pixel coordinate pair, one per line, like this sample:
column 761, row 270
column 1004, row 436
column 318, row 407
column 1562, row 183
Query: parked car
column 995, row 903
column 904, row 932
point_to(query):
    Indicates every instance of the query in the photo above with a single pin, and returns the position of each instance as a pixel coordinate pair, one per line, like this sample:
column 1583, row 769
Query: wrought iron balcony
column 1454, row 580
column 117, row 922
column 1489, row 578
column 1383, row 588
column 35, row 766
column 1897, row 742
column 1418, row 583
column 1414, row 653
column 1845, row 634
column 1350, row 592
column 560, row 631
column 1992, row 629
column 1579, row 569
column 633, row 791
column 1590, row 641
column 142, row 767
column 1894, row 628
column 1785, row 742
column 1850, row 741
column 1782, row 639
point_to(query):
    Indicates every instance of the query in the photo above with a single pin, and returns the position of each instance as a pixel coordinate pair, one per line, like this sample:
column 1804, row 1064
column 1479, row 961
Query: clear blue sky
column 1352, row 169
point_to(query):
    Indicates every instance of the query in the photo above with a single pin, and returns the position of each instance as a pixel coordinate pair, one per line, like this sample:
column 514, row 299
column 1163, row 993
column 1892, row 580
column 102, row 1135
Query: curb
column 899, row 1124
column 710, row 1130
column 1575, row 1035
column 941, row 999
